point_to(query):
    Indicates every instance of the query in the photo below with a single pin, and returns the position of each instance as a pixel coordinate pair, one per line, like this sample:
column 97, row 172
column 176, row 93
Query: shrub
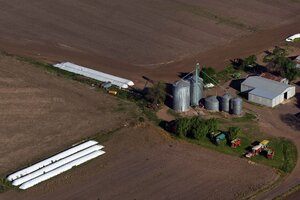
column 234, row 132
column 212, row 125
column 208, row 75
column 183, row 126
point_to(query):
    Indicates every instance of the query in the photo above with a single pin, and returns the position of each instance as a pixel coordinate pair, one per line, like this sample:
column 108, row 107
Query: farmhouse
column 266, row 92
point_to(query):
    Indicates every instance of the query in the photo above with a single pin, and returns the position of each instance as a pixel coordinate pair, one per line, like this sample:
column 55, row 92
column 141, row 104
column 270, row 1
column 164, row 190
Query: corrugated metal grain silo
column 212, row 103
column 225, row 102
column 181, row 96
column 236, row 106
column 196, row 90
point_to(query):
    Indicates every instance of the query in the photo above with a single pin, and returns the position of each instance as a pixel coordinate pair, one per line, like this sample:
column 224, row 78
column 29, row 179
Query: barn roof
column 265, row 87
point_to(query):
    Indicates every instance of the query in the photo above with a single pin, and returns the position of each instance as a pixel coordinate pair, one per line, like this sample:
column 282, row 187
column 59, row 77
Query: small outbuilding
column 267, row 92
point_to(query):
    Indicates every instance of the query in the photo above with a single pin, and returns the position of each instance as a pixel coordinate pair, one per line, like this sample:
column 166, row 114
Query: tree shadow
column 184, row 75
column 236, row 62
column 292, row 120
column 169, row 95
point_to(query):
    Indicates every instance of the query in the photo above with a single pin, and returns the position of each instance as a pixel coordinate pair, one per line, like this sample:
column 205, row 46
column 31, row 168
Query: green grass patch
column 227, row 73
column 285, row 151
column 5, row 185
column 297, row 39
column 247, row 117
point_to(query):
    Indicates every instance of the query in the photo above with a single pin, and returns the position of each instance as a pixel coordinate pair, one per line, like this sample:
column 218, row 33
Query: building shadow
column 236, row 84
column 297, row 96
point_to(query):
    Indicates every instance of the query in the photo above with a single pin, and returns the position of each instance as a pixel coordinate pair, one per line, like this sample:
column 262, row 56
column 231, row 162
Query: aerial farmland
column 176, row 99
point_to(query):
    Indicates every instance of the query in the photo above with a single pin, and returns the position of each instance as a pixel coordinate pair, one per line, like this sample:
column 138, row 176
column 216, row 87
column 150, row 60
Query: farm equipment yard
column 150, row 99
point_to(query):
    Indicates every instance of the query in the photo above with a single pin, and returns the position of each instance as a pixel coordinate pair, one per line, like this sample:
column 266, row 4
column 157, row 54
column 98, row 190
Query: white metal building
column 267, row 92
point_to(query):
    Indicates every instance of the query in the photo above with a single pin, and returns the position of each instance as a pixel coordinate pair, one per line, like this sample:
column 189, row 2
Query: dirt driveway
column 281, row 122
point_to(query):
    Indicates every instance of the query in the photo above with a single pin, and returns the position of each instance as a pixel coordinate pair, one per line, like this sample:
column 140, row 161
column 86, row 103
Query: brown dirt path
column 274, row 122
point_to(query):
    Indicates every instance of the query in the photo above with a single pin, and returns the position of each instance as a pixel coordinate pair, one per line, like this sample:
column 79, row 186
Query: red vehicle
column 235, row 143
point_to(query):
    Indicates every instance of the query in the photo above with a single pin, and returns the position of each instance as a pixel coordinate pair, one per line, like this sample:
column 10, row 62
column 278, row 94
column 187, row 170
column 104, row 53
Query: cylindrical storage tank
column 225, row 102
column 181, row 96
column 194, row 88
column 236, row 106
column 212, row 103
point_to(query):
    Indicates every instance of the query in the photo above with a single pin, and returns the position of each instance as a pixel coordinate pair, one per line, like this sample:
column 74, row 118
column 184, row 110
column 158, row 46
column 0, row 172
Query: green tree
column 289, row 70
column 234, row 132
column 208, row 75
column 276, row 58
column 247, row 62
column 212, row 125
column 156, row 95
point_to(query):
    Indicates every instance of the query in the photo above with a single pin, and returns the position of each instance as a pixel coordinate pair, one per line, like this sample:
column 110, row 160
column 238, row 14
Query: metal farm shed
column 266, row 92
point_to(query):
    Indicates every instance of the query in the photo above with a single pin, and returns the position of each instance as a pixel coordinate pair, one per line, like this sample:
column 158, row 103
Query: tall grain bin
column 236, row 106
column 181, row 96
column 225, row 102
column 212, row 103
column 196, row 90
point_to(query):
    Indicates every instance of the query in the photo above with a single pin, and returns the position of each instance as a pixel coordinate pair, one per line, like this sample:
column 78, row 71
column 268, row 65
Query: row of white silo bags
column 61, row 169
column 55, row 165
column 50, row 160
column 58, row 164
column 81, row 71
column 100, row 76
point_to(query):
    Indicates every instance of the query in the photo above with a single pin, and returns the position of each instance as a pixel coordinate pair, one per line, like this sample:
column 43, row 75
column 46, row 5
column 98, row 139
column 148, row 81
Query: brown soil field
column 42, row 114
column 152, row 38
column 145, row 163
column 157, row 39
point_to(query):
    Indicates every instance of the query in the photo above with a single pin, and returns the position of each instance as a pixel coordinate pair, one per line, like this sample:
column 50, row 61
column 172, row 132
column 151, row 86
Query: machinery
column 113, row 92
column 257, row 149
column 235, row 143
column 217, row 137
column 270, row 153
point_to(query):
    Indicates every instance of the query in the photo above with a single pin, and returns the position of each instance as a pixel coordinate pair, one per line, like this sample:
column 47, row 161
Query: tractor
column 257, row 149
column 218, row 137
